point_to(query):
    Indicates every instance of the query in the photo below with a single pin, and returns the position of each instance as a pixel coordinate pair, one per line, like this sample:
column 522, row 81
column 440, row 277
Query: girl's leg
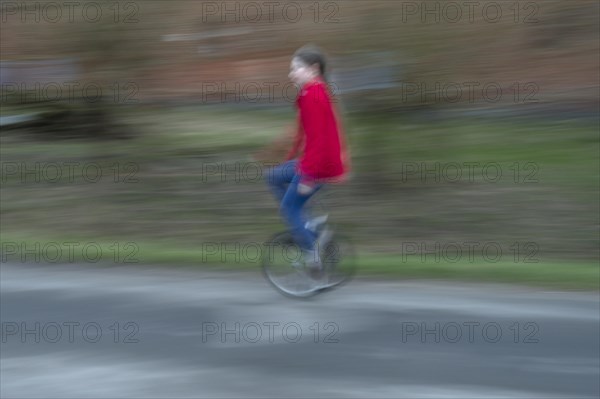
column 279, row 177
column 291, row 209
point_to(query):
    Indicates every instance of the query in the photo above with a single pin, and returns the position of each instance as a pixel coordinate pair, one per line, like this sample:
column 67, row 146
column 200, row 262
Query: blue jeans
column 283, row 181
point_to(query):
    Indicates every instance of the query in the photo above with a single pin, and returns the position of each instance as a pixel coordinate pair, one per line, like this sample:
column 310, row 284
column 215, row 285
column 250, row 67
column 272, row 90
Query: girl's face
column 300, row 73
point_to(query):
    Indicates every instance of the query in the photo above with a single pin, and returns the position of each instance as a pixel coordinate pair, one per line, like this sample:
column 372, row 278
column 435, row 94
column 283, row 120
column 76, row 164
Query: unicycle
column 284, row 267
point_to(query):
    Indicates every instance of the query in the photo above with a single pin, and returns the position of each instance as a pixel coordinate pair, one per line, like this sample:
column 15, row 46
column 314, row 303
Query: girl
column 318, row 154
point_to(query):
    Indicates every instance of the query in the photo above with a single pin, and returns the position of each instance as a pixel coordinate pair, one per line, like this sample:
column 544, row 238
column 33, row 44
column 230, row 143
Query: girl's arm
column 279, row 148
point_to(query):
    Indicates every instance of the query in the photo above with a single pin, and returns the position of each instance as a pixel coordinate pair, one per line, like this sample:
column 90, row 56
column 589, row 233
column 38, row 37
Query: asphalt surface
column 133, row 332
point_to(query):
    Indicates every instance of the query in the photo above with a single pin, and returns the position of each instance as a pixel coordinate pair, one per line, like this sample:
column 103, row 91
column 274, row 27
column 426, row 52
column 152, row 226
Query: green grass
column 559, row 149
column 170, row 210
column 567, row 275
column 246, row 256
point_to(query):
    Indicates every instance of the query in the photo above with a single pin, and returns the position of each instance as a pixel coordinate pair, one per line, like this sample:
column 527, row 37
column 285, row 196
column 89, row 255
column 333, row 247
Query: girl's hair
column 310, row 55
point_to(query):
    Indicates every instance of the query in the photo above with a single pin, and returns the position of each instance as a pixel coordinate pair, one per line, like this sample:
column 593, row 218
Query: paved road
column 176, row 336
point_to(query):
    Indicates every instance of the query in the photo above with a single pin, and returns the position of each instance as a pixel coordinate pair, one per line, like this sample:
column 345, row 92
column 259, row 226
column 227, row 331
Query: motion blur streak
column 137, row 138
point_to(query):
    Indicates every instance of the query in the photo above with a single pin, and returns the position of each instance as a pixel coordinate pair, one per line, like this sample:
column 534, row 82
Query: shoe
column 314, row 223
column 324, row 238
column 312, row 260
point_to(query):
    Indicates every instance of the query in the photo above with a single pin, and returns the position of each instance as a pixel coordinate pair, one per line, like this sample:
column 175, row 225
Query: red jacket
column 324, row 156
